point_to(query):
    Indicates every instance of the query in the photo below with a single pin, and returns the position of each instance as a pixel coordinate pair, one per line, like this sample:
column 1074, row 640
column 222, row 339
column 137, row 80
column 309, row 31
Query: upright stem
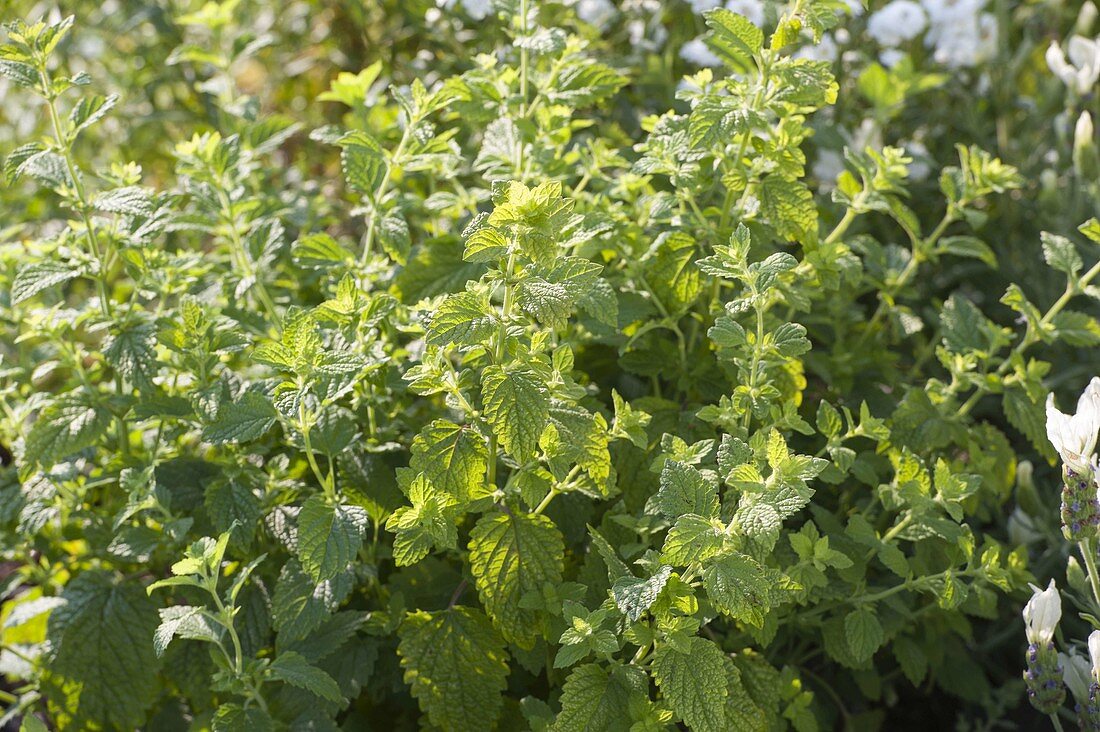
column 376, row 199
column 1088, row 552
column 1030, row 336
column 65, row 147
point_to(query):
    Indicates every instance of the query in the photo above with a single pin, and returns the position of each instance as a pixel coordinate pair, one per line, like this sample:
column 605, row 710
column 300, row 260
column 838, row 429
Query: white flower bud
column 1094, row 654
column 1082, row 69
column 1041, row 615
column 1074, row 437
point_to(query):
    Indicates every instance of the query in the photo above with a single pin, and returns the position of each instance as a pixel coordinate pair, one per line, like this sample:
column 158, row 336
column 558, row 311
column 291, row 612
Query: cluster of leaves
column 539, row 422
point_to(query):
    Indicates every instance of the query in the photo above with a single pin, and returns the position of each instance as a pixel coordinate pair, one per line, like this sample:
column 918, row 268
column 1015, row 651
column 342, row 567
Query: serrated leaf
column 455, row 665
column 551, row 294
column 183, row 621
column 739, row 587
column 694, row 684
column 453, row 457
column 64, row 427
column 864, row 633
column 1059, row 253
column 595, row 699
column 635, row 595
column 789, row 206
column 292, row 668
column 241, row 421
column 733, row 38
column 672, row 275
column 684, row 489
column 464, row 319
column 363, row 161
column 301, row 605
column 35, row 277
column 320, row 251
column 517, row 408
column 329, row 536
column 511, row 555
column 102, row 671
column 129, row 201
column 692, row 539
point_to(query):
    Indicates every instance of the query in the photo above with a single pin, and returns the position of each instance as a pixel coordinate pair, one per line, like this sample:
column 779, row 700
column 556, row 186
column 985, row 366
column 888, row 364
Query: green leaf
column 89, row 110
column 510, row 556
column 456, row 666
column 102, row 670
column 790, row 340
column 864, row 633
column 485, row 244
column 595, row 699
column 788, row 206
column 131, row 348
column 1029, row 418
column 428, row 522
column 65, row 426
column 739, row 587
column 583, row 83
column 128, row 201
column 733, row 38
column 463, row 319
column 292, row 668
column 301, row 605
column 1059, row 253
column 38, row 276
column 22, row 74
column 517, row 408
column 686, row 490
column 363, row 161
column 242, row 421
column 694, row 684
column 1077, row 329
column 692, row 539
column 969, row 246
column 635, row 595
column 320, row 251
column 329, row 536
column 551, row 294
column 183, row 621
column 454, row 458
column 672, row 276
column 235, row 718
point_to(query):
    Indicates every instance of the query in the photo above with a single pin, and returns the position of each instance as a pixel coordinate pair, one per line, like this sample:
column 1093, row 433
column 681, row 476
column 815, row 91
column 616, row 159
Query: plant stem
column 1088, row 553
column 376, row 199
column 1030, row 335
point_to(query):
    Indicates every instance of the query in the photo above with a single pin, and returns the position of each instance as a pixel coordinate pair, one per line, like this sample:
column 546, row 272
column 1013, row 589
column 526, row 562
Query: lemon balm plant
column 510, row 397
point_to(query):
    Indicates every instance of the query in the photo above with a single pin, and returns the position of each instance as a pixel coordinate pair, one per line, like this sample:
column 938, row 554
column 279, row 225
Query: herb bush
column 556, row 366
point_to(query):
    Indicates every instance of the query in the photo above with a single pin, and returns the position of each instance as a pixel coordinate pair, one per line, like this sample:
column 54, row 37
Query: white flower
column 1082, row 69
column 900, row 21
column 1075, row 437
column 944, row 12
column 477, row 9
column 1077, row 674
column 1094, row 653
column 596, row 12
column 891, row 57
column 751, row 9
column 968, row 41
column 701, row 5
column 826, row 50
column 696, row 51
column 1042, row 613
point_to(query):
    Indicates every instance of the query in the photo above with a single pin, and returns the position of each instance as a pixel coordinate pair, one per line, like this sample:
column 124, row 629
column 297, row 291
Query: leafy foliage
column 518, row 379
